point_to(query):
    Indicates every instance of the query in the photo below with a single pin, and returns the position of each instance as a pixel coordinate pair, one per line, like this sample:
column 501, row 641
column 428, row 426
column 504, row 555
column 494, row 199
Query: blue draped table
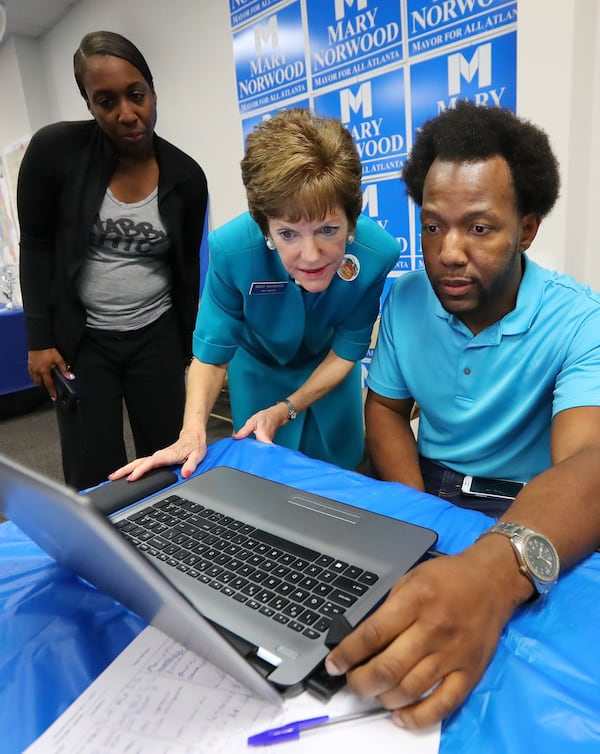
column 540, row 693
column 13, row 351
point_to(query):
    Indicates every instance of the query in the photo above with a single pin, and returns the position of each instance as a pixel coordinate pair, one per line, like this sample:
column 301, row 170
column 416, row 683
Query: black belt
column 487, row 486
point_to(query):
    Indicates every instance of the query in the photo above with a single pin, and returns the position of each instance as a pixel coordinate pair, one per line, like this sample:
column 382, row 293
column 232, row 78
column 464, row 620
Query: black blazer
column 63, row 177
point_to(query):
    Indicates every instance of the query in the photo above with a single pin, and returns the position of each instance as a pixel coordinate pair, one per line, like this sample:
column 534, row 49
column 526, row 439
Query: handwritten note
column 159, row 698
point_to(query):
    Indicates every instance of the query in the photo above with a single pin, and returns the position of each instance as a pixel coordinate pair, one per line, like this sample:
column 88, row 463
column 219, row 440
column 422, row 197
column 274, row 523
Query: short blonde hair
column 299, row 165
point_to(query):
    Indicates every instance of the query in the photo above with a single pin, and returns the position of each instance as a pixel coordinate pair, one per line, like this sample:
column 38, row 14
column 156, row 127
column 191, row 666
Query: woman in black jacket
column 111, row 219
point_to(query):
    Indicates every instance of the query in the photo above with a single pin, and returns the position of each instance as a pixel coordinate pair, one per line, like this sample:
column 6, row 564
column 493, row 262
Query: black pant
column 447, row 484
column 146, row 369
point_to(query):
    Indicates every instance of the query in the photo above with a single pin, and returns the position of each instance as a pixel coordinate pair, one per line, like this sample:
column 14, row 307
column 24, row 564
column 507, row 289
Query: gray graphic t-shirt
column 125, row 281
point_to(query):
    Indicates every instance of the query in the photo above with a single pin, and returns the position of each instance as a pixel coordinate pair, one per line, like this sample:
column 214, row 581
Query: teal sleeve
column 220, row 315
column 578, row 382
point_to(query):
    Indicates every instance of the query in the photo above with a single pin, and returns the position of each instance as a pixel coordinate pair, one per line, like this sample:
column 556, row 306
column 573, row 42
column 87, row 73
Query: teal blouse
column 273, row 334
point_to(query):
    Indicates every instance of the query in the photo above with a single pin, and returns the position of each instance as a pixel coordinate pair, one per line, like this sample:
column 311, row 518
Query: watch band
column 509, row 530
column 292, row 413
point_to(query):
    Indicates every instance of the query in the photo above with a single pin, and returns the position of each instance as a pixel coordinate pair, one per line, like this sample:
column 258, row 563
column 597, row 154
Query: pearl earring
column 350, row 239
column 270, row 243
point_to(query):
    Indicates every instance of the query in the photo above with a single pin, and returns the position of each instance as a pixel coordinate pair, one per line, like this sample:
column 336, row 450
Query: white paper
column 159, row 698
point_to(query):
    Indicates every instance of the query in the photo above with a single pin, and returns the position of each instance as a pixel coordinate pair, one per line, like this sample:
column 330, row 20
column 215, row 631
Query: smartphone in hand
column 66, row 391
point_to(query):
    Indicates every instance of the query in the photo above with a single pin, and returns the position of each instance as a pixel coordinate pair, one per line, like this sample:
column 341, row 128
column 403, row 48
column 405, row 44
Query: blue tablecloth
column 541, row 692
column 13, row 351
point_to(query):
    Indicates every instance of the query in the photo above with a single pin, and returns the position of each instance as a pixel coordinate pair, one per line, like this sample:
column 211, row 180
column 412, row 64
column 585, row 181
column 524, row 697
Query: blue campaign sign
column 366, row 363
column 352, row 37
column 241, row 11
column 385, row 201
column 432, row 24
column 417, row 242
column 485, row 73
column 249, row 123
column 374, row 112
column 270, row 62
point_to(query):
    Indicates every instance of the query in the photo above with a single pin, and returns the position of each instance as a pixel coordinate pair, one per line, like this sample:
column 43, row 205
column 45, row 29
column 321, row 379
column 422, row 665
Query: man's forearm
column 562, row 503
column 392, row 446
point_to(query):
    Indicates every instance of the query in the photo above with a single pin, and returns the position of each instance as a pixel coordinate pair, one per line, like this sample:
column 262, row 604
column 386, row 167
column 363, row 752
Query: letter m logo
column 361, row 101
column 267, row 35
column 340, row 7
column 371, row 200
column 459, row 68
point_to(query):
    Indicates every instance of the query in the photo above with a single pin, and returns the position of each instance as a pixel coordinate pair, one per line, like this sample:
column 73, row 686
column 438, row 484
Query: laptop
column 258, row 577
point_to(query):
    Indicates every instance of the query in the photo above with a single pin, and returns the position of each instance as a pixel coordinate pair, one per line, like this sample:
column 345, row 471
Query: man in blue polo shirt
column 487, row 390
column 503, row 359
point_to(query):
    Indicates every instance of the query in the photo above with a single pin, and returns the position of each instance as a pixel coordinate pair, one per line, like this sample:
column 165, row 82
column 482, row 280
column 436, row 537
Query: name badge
column 268, row 288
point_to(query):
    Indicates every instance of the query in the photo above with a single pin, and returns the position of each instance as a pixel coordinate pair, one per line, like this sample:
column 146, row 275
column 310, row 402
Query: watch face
column 541, row 557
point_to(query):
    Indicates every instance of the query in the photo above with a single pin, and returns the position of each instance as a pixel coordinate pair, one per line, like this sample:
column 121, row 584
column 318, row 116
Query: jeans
column 446, row 483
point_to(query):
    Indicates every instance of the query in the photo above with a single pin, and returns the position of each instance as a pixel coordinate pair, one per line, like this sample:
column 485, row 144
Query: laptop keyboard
column 298, row 587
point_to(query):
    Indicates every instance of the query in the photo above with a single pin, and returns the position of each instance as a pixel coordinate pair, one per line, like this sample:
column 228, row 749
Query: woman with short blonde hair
column 291, row 295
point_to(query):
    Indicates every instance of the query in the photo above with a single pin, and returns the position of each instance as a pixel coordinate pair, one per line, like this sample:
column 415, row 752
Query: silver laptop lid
column 69, row 529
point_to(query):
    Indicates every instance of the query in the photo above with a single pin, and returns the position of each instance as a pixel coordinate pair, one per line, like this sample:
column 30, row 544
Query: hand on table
column 427, row 646
column 189, row 450
column 264, row 423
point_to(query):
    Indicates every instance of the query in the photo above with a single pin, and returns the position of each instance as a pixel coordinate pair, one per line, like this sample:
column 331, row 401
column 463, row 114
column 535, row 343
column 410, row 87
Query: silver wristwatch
column 292, row 413
column 537, row 556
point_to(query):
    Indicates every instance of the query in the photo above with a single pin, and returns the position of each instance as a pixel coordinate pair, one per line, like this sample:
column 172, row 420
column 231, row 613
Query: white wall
column 189, row 49
column 14, row 120
column 558, row 67
column 30, row 61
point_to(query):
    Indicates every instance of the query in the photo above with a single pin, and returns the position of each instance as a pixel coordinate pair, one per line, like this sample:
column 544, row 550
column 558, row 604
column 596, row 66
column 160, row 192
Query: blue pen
column 291, row 731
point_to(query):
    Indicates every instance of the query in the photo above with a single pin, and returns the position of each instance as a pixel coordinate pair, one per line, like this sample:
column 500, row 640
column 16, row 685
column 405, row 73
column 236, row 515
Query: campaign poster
column 432, row 24
column 352, row 37
column 241, row 11
column 374, row 112
column 384, row 201
column 270, row 63
column 249, row 123
column 483, row 72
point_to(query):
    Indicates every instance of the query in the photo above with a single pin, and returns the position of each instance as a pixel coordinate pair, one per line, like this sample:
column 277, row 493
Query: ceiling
column 32, row 18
